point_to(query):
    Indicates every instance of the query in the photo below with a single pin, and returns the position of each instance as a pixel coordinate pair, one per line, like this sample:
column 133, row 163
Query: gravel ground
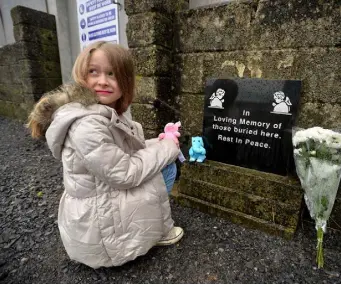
column 212, row 250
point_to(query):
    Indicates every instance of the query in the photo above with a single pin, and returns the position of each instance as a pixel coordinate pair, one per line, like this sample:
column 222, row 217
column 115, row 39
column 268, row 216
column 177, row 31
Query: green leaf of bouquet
column 324, row 202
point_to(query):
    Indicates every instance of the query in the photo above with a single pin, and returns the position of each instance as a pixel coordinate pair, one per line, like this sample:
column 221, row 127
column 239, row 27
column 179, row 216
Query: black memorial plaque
column 248, row 122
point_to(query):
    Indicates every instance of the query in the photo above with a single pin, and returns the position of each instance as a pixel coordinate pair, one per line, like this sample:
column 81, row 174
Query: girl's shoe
column 175, row 234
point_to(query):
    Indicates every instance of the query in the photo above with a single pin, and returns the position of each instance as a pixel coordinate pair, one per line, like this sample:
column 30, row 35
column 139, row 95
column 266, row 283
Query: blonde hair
column 123, row 68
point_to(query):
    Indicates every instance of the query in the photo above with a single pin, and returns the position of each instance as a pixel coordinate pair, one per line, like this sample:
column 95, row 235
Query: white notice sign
column 97, row 20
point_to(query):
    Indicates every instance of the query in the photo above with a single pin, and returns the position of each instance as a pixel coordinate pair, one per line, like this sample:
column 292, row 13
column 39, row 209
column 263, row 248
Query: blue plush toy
column 197, row 152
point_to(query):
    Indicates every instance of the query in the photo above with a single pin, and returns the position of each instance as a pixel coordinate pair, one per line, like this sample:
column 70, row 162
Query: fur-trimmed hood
column 42, row 114
column 60, row 108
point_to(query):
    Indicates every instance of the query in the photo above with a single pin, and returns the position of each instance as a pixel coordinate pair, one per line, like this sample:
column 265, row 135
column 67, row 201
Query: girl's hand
column 174, row 139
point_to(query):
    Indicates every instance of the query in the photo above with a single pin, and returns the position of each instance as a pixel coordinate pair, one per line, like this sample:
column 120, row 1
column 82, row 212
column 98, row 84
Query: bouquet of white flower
column 317, row 154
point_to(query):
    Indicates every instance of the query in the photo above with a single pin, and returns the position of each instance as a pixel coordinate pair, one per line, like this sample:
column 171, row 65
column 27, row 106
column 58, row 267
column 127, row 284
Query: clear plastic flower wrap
column 317, row 154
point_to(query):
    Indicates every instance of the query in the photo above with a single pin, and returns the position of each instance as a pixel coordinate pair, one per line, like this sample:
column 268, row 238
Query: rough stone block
column 225, row 27
column 29, row 33
column 296, row 24
column 197, row 68
column 24, row 15
column 236, row 217
column 31, row 99
column 10, row 54
column 150, row 134
column 22, row 111
column 274, row 64
column 13, row 53
column 152, row 61
column 5, row 74
column 324, row 115
column 280, row 24
column 191, row 114
column 41, row 52
column 192, row 73
column 149, row 89
column 260, row 207
column 15, row 73
column 151, row 118
column 318, row 68
column 155, row 104
column 260, row 197
column 17, row 109
column 40, row 69
column 7, row 108
column 283, row 189
column 11, row 92
column 149, row 29
column 146, row 90
column 142, row 6
column 40, row 85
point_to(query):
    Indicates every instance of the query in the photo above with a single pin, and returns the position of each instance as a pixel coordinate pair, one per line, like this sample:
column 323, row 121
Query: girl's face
column 101, row 78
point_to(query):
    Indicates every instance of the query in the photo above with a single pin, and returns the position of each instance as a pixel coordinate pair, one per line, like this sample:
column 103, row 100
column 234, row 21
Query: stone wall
column 30, row 66
column 280, row 39
column 264, row 39
column 270, row 39
column 150, row 31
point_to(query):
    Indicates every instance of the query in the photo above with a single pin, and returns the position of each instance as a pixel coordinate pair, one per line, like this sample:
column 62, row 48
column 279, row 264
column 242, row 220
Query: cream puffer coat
column 115, row 206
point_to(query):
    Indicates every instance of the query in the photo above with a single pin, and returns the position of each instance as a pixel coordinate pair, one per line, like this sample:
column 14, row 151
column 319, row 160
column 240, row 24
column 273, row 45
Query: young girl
column 115, row 205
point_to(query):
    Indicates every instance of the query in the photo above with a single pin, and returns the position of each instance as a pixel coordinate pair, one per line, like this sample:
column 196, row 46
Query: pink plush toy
column 172, row 132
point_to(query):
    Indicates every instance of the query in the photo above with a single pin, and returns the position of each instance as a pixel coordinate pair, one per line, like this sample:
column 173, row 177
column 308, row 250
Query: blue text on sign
column 93, row 5
column 102, row 33
column 101, row 18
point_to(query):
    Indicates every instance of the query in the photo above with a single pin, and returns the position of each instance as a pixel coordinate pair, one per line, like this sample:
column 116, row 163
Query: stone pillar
column 30, row 67
column 150, row 38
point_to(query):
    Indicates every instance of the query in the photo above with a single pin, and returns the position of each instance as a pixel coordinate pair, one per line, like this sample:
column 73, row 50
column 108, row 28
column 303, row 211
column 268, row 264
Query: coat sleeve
column 104, row 159
column 151, row 141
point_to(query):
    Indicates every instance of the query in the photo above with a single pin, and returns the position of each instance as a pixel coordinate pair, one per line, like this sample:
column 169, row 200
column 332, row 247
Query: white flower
column 330, row 138
column 317, row 154
column 335, row 157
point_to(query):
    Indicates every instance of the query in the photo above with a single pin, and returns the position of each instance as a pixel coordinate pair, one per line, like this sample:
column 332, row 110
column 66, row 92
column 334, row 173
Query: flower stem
column 319, row 255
